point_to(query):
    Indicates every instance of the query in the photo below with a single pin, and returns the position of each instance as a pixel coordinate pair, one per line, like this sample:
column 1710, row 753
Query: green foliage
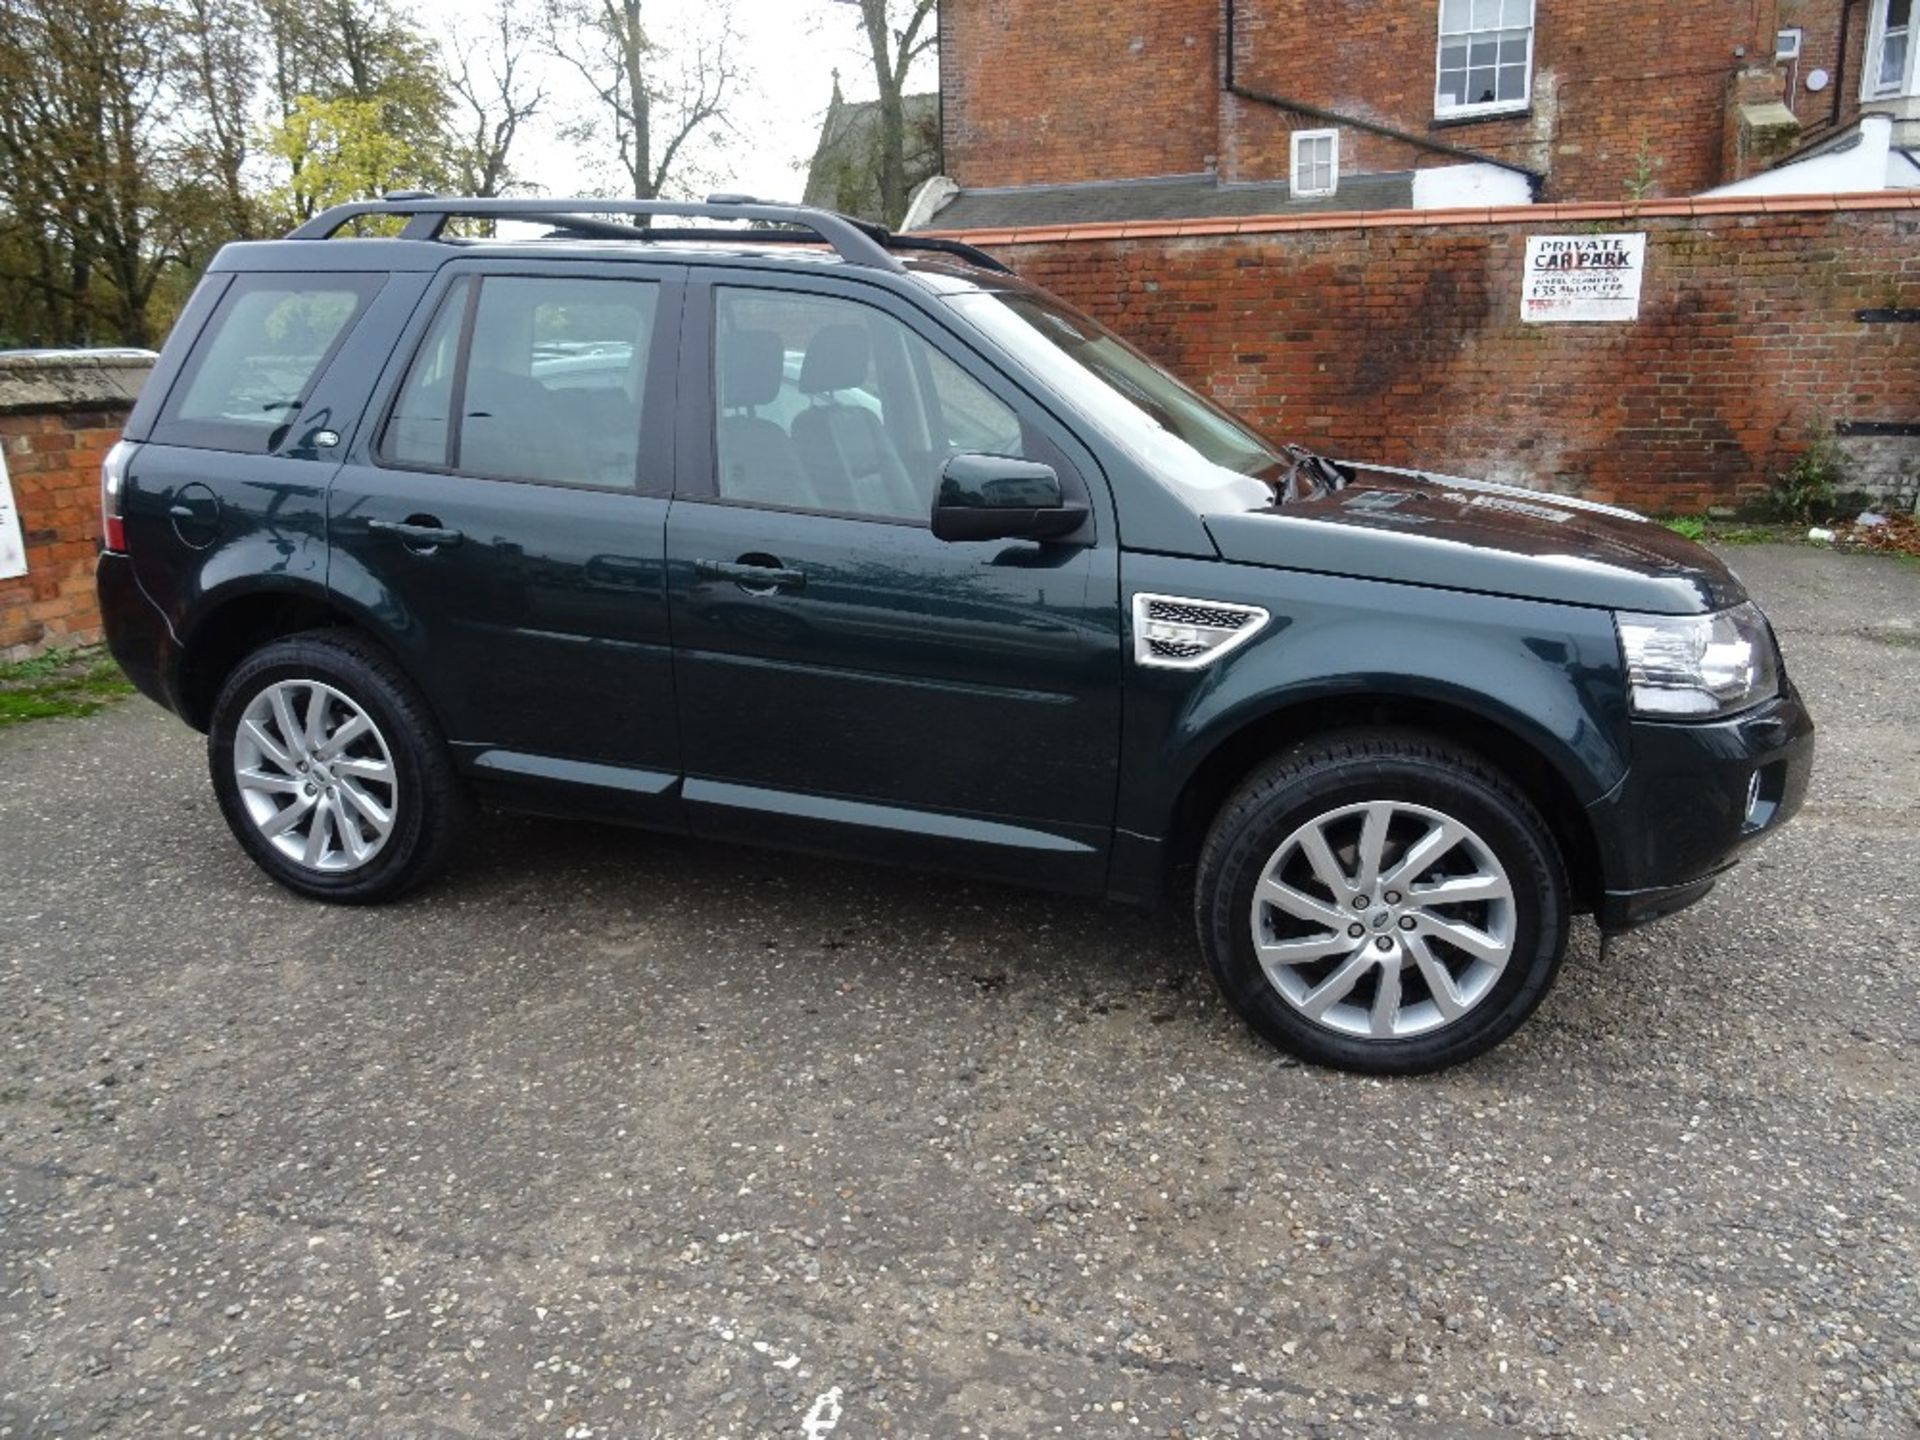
column 1810, row 491
column 1646, row 173
column 1689, row 527
column 59, row 683
column 333, row 151
column 129, row 150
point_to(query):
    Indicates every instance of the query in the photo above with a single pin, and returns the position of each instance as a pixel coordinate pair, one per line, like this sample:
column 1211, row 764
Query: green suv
column 810, row 535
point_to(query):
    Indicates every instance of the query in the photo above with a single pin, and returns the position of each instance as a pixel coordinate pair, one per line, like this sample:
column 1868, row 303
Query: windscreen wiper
column 1308, row 476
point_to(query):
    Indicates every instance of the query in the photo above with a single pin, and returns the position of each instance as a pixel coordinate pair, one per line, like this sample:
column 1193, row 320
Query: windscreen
column 1184, row 438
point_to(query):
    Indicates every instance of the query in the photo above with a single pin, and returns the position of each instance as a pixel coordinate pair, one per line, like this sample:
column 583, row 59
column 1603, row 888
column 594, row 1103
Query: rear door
column 881, row 691
column 503, row 525
column 228, row 490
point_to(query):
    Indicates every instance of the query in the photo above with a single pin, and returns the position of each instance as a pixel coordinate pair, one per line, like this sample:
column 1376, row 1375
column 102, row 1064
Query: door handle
column 421, row 532
column 749, row 576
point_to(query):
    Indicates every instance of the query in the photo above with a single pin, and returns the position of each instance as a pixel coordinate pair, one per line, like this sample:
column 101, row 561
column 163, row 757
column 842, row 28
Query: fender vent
column 1174, row 633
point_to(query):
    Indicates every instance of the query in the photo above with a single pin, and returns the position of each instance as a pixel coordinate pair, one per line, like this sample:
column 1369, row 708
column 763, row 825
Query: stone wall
column 58, row 416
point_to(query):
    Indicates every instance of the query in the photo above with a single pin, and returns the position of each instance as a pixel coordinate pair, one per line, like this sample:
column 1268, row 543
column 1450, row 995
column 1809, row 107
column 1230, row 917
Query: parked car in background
column 863, row 545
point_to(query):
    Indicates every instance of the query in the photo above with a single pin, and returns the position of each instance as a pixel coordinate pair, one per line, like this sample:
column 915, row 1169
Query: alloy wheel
column 1384, row 920
column 316, row 775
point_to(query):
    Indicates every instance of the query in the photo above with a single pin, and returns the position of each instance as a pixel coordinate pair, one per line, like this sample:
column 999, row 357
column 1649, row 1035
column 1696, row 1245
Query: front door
column 504, row 526
column 846, row 680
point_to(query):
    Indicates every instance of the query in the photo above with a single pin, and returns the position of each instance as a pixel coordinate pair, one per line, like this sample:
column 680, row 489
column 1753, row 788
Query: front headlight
column 1699, row 665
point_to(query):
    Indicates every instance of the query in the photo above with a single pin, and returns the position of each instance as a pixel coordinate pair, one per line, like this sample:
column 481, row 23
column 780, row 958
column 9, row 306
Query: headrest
column 836, row 359
column 752, row 365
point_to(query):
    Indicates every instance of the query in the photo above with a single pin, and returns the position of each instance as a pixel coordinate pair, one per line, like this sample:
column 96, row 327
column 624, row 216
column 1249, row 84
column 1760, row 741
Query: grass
column 59, row 683
column 1736, row 532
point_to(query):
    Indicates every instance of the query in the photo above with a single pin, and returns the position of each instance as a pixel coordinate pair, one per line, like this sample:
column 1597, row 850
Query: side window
column 831, row 405
column 417, row 430
column 524, row 377
column 264, row 346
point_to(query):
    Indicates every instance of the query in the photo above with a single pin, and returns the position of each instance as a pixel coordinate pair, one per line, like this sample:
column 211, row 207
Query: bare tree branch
column 489, row 78
column 657, row 99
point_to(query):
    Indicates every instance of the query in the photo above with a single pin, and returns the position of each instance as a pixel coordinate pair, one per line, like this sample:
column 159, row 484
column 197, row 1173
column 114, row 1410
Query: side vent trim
column 1177, row 632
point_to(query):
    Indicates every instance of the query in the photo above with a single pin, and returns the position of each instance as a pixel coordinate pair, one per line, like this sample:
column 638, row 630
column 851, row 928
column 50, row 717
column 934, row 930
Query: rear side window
column 527, row 377
column 254, row 365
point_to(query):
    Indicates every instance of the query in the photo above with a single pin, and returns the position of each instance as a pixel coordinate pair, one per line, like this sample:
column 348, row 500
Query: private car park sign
column 1591, row 278
column 13, row 554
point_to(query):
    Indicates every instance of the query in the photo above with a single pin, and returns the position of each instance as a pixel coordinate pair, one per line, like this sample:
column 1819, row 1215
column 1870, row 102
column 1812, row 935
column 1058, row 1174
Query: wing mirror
column 993, row 497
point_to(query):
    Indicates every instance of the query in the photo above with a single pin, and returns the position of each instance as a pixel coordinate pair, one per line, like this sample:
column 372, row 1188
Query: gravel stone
column 615, row 1135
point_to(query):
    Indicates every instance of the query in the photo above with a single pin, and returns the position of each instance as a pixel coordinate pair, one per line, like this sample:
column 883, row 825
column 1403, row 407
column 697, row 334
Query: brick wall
column 1040, row 92
column 1037, row 91
column 1820, row 20
column 1398, row 338
column 57, row 419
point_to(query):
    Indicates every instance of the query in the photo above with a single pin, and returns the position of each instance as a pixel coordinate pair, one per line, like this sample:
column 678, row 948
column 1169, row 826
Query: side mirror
column 992, row 497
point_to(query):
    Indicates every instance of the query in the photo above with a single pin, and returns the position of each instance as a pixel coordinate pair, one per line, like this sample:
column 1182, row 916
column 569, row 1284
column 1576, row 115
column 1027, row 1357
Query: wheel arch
column 1232, row 756
column 237, row 623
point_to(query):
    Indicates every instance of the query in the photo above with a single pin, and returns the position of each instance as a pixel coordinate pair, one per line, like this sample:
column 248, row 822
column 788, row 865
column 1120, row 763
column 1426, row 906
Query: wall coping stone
column 1535, row 216
column 56, row 380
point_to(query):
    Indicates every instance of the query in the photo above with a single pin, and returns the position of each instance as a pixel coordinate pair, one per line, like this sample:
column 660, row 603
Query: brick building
column 1321, row 215
column 1183, row 108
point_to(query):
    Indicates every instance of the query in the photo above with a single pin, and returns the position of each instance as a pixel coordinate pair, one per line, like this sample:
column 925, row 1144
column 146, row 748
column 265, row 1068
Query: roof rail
column 855, row 241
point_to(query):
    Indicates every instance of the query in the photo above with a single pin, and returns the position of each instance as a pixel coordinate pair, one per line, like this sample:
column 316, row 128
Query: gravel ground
column 613, row 1136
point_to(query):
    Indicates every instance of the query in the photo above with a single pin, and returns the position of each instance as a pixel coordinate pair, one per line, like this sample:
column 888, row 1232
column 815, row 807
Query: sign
column 1591, row 278
column 13, row 554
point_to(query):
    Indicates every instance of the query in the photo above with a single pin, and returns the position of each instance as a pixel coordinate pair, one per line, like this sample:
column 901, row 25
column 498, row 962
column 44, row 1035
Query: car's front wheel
column 330, row 770
column 1382, row 902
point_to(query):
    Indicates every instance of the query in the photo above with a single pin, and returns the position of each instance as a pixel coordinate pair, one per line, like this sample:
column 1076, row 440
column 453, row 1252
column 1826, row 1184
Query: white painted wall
column 1871, row 164
column 13, row 552
column 1460, row 187
column 933, row 193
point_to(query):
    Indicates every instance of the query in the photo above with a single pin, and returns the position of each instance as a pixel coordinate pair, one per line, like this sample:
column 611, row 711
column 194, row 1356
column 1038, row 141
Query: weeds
column 59, row 683
column 1810, row 491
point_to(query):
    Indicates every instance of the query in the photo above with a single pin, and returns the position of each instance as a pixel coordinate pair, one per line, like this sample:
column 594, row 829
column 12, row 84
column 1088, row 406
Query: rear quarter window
column 255, row 363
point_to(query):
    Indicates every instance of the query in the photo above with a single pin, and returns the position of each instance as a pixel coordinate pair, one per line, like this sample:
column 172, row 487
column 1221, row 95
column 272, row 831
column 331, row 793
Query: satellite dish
column 1818, row 80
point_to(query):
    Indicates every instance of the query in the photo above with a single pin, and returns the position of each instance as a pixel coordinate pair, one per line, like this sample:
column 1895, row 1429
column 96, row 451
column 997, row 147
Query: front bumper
column 1697, row 798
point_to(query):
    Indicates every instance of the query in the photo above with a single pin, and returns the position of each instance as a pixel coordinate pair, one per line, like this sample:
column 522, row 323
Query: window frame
column 1871, row 88
column 232, row 436
column 1493, row 109
column 656, row 406
column 699, row 464
column 1294, row 187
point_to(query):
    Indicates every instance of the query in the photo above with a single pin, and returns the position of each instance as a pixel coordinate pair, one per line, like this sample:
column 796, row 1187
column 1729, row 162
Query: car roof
column 940, row 274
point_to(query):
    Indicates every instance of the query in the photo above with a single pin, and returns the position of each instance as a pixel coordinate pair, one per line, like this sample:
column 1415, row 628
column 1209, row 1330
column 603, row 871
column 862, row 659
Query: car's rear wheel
column 330, row 771
column 1382, row 902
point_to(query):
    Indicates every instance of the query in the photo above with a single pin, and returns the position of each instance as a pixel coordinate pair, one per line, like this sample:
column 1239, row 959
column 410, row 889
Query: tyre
column 331, row 772
column 1382, row 901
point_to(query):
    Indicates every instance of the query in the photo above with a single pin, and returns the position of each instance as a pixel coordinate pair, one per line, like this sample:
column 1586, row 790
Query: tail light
column 113, row 487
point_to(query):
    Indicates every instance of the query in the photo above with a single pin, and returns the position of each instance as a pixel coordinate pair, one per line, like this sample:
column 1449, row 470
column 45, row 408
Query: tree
column 496, row 97
column 86, row 167
column 356, row 85
column 898, row 32
column 217, row 70
column 656, row 98
column 338, row 150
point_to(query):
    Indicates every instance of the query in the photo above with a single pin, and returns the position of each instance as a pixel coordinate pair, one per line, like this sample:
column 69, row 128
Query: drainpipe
column 1839, row 69
column 1535, row 180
